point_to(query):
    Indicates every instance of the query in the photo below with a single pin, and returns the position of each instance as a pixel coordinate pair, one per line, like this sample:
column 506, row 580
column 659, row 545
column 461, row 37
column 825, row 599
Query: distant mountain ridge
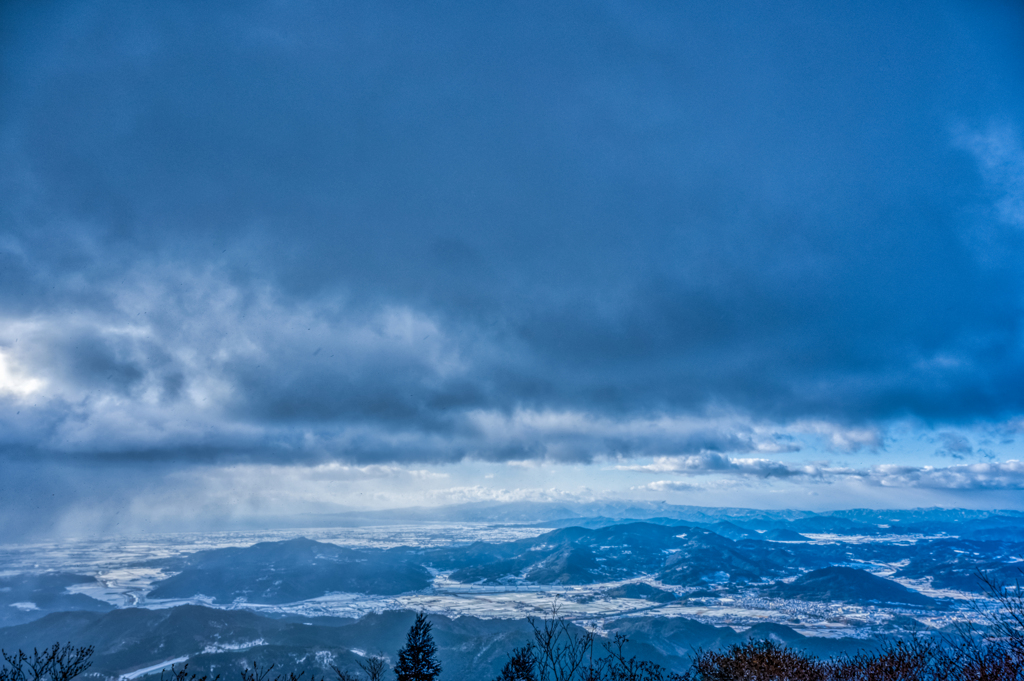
column 536, row 512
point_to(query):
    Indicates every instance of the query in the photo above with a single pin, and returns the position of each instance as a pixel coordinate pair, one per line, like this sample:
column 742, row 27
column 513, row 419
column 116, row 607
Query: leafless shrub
column 562, row 649
column 375, row 667
column 344, row 675
column 56, row 663
column 911, row 660
column 182, row 675
column 617, row 667
column 762, row 660
column 1006, row 623
column 259, row 673
column 563, row 652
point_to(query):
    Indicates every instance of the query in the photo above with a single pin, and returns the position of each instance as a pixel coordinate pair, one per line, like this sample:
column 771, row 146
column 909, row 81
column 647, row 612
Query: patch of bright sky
column 14, row 380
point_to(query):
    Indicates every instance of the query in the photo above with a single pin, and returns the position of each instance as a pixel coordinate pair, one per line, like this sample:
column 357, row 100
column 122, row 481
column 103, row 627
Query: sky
column 260, row 259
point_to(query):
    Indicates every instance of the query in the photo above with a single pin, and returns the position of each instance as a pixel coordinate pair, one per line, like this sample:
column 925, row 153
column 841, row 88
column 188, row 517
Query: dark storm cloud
column 357, row 229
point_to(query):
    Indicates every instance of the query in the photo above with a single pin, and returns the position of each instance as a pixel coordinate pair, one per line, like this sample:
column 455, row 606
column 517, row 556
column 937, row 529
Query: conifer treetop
column 417, row 661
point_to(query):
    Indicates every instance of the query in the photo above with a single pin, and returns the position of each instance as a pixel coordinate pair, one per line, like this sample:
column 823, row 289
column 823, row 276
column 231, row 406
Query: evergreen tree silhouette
column 417, row 661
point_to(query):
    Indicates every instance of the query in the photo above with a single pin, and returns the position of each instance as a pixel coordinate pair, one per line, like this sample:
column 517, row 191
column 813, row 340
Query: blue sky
column 264, row 258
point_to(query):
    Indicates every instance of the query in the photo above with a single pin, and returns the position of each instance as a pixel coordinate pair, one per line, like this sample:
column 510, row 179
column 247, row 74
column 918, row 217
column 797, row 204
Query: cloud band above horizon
column 604, row 234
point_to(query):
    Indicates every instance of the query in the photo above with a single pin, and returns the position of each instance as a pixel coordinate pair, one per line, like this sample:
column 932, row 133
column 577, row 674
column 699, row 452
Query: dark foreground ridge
column 218, row 641
column 554, row 649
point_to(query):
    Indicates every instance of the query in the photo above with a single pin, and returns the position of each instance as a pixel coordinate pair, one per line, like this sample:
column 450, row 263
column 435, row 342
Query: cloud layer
column 1005, row 475
column 378, row 234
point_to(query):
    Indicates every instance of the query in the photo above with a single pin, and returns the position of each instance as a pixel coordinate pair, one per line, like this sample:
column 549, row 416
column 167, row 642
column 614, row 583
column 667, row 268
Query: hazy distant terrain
column 703, row 578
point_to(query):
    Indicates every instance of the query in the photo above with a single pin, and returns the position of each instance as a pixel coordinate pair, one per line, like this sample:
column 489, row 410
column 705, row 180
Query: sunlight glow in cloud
column 14, row 381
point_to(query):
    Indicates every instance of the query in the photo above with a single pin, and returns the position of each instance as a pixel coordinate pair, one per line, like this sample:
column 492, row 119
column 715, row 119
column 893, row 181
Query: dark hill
column 782, row 534
column 679, row 555
column 39, row 595
column 289, row 571
column 732, row 531
column 832, row 525
column 571, row 565
column 575, row 555
column 849, row 585
column 133, row 637
column 223, row 641
column 955, row 563
column 680, row 636
column 641, row 590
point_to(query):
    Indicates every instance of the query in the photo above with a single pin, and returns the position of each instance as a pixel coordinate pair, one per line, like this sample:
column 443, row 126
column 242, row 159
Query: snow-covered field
column 125, row 575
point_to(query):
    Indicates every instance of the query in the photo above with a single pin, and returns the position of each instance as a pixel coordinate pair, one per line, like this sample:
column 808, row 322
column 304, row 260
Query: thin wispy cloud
column 1004, row 475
